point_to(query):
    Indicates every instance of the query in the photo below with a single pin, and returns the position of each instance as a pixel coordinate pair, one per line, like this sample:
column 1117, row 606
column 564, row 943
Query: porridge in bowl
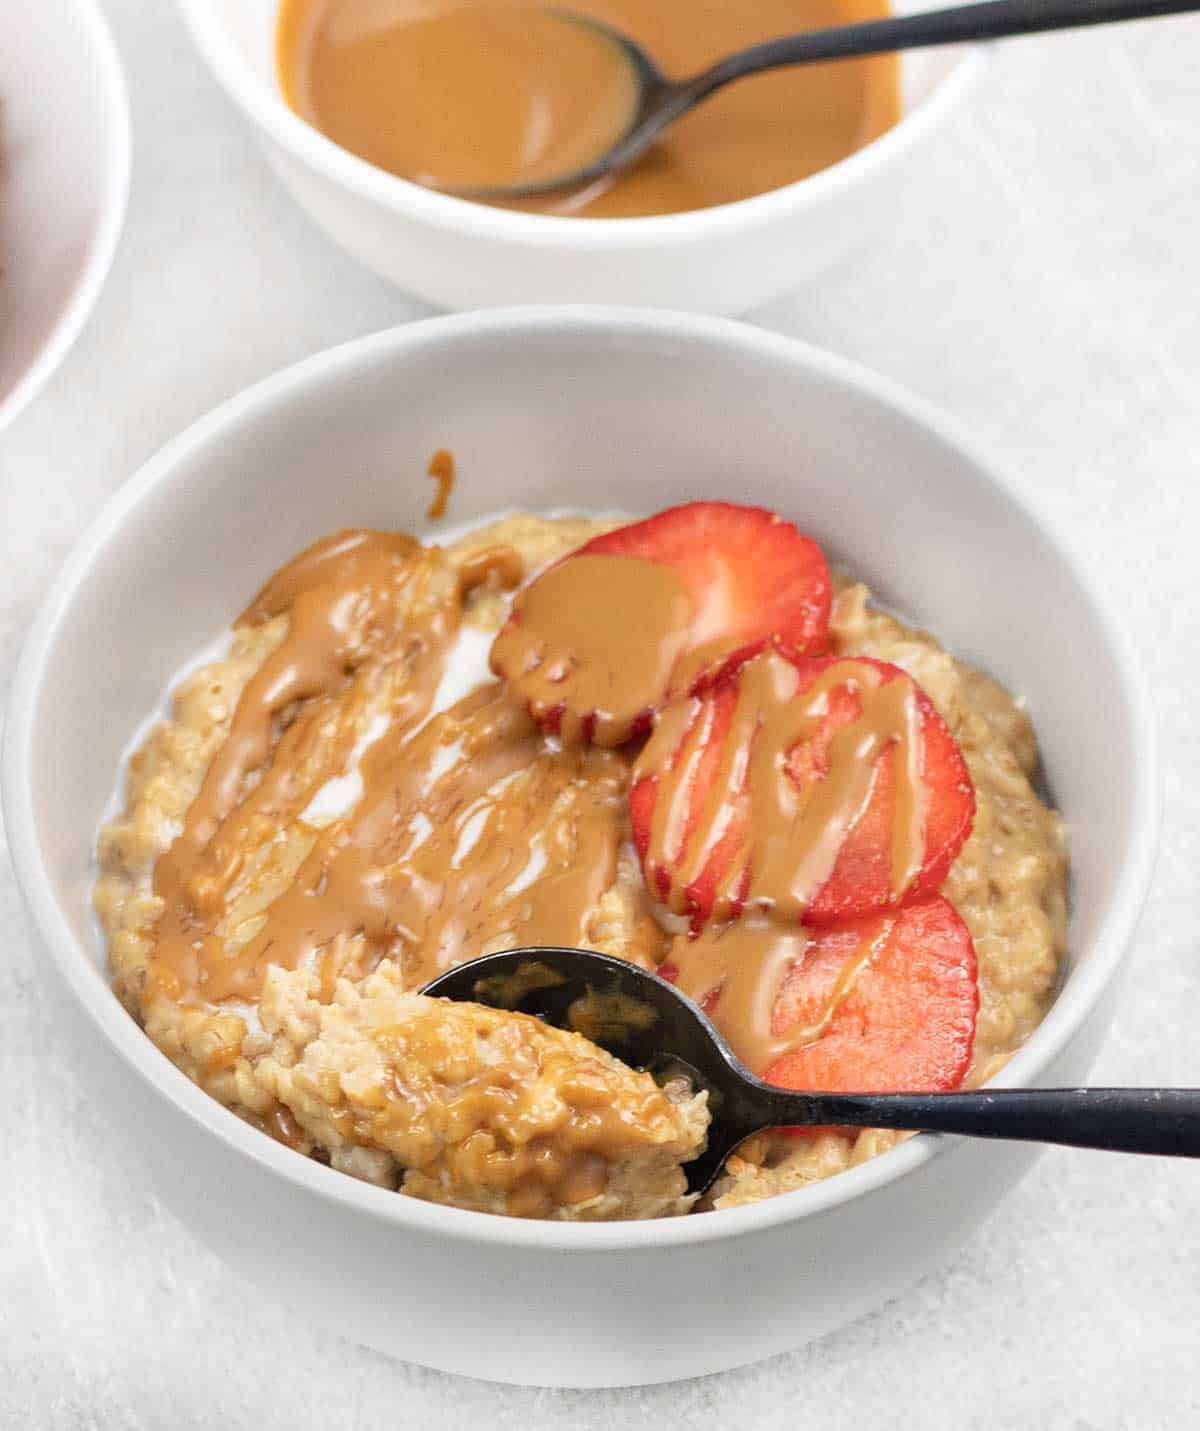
column 680, row 742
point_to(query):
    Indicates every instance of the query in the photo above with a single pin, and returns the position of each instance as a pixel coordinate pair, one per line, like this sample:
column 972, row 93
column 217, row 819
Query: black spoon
column 647, row 1023
column 661, row 101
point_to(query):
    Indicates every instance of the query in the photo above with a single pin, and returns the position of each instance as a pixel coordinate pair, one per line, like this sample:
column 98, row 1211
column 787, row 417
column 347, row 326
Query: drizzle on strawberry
column 904, row 1023
column 886, row 1004
column 817, row 788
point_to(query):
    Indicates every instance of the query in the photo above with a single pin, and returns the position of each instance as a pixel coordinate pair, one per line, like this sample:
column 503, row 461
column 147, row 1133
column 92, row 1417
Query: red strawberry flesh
column 904, row 1021
column 883, row 1004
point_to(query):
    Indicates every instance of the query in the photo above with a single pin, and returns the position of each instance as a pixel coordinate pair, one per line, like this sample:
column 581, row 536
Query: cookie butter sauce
column 498, row 92
column 797, row 832
column 469, row 826
column 462, row 96
column 467, row 830
column 737, row 971
column 441, row 469
column 610, row 629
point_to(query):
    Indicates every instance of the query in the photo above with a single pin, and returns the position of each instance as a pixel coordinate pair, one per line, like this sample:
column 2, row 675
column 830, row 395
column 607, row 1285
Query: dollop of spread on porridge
column 349, row 802
column 584, row 620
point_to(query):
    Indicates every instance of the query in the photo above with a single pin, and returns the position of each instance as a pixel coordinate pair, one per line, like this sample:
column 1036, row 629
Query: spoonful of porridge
column 648, row 1023
column 529, row 101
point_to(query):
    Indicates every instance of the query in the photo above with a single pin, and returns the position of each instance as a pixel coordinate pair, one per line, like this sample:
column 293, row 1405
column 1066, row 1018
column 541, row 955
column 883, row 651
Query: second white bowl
column 64, row 179
column 456, row 254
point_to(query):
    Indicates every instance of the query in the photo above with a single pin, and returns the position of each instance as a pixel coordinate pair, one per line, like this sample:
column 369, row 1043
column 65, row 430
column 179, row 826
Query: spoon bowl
column 657, row 101
column 648, row 1024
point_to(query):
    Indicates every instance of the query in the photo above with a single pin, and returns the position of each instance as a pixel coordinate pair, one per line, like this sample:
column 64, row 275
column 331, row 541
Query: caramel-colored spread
column 340, row 596
column 797, row 830
column 738, row 970
column 467, row 831
column 592, row 643
column 470, row 827
column 441, row 469
column 482, row 93
column 459, row 97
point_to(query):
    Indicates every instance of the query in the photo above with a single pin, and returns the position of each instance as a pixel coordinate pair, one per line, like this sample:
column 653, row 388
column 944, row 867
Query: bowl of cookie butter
column 735, row 692
column 378, row 117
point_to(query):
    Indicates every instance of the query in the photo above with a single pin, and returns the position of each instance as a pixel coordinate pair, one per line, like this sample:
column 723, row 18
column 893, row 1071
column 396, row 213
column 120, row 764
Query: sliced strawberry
column 751, row 575
column 881, row 1004
column 732, row 832
column 903, row 1020
column 596, row 650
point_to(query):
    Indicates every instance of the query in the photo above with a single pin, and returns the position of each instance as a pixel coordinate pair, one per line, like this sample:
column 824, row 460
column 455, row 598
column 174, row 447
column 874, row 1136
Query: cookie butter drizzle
column 738, row 970
column 795, row 833
column 340, row 595
column 592, row 643
column 472, row 829
column 790, row 836
column 469, row 832
column 441, row 469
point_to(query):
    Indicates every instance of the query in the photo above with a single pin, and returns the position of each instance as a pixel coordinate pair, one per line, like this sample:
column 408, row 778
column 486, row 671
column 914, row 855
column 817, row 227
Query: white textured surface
column 1039, row 282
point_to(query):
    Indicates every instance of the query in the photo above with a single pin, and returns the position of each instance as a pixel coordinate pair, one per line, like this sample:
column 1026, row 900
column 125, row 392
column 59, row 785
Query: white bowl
column 64, row 180
column 456, row 254
column 595, row 408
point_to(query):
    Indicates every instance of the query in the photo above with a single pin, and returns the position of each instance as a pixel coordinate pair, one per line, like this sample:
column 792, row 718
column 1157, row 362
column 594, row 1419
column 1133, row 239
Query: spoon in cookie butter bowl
column 649, row 1024
column 595, row 100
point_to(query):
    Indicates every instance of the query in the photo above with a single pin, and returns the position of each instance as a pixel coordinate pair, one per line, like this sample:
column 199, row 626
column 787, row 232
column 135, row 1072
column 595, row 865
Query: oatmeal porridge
column 733, row 769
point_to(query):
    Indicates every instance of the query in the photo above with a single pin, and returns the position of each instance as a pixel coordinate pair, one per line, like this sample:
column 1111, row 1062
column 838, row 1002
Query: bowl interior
column 246, row 31
column 568, row 408
column 64, row 159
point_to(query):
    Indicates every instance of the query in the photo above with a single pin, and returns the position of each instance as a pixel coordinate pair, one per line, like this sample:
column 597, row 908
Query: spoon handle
column 992, row 20
column 1119, row 1120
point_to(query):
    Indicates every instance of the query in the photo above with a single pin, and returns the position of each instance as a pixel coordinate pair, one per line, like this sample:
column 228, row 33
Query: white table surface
column 1040, row 282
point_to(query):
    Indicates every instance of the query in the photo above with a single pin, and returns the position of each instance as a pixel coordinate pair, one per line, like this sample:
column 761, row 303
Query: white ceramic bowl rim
column 103, row 247
column 267, row 107
column 1082, row 988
